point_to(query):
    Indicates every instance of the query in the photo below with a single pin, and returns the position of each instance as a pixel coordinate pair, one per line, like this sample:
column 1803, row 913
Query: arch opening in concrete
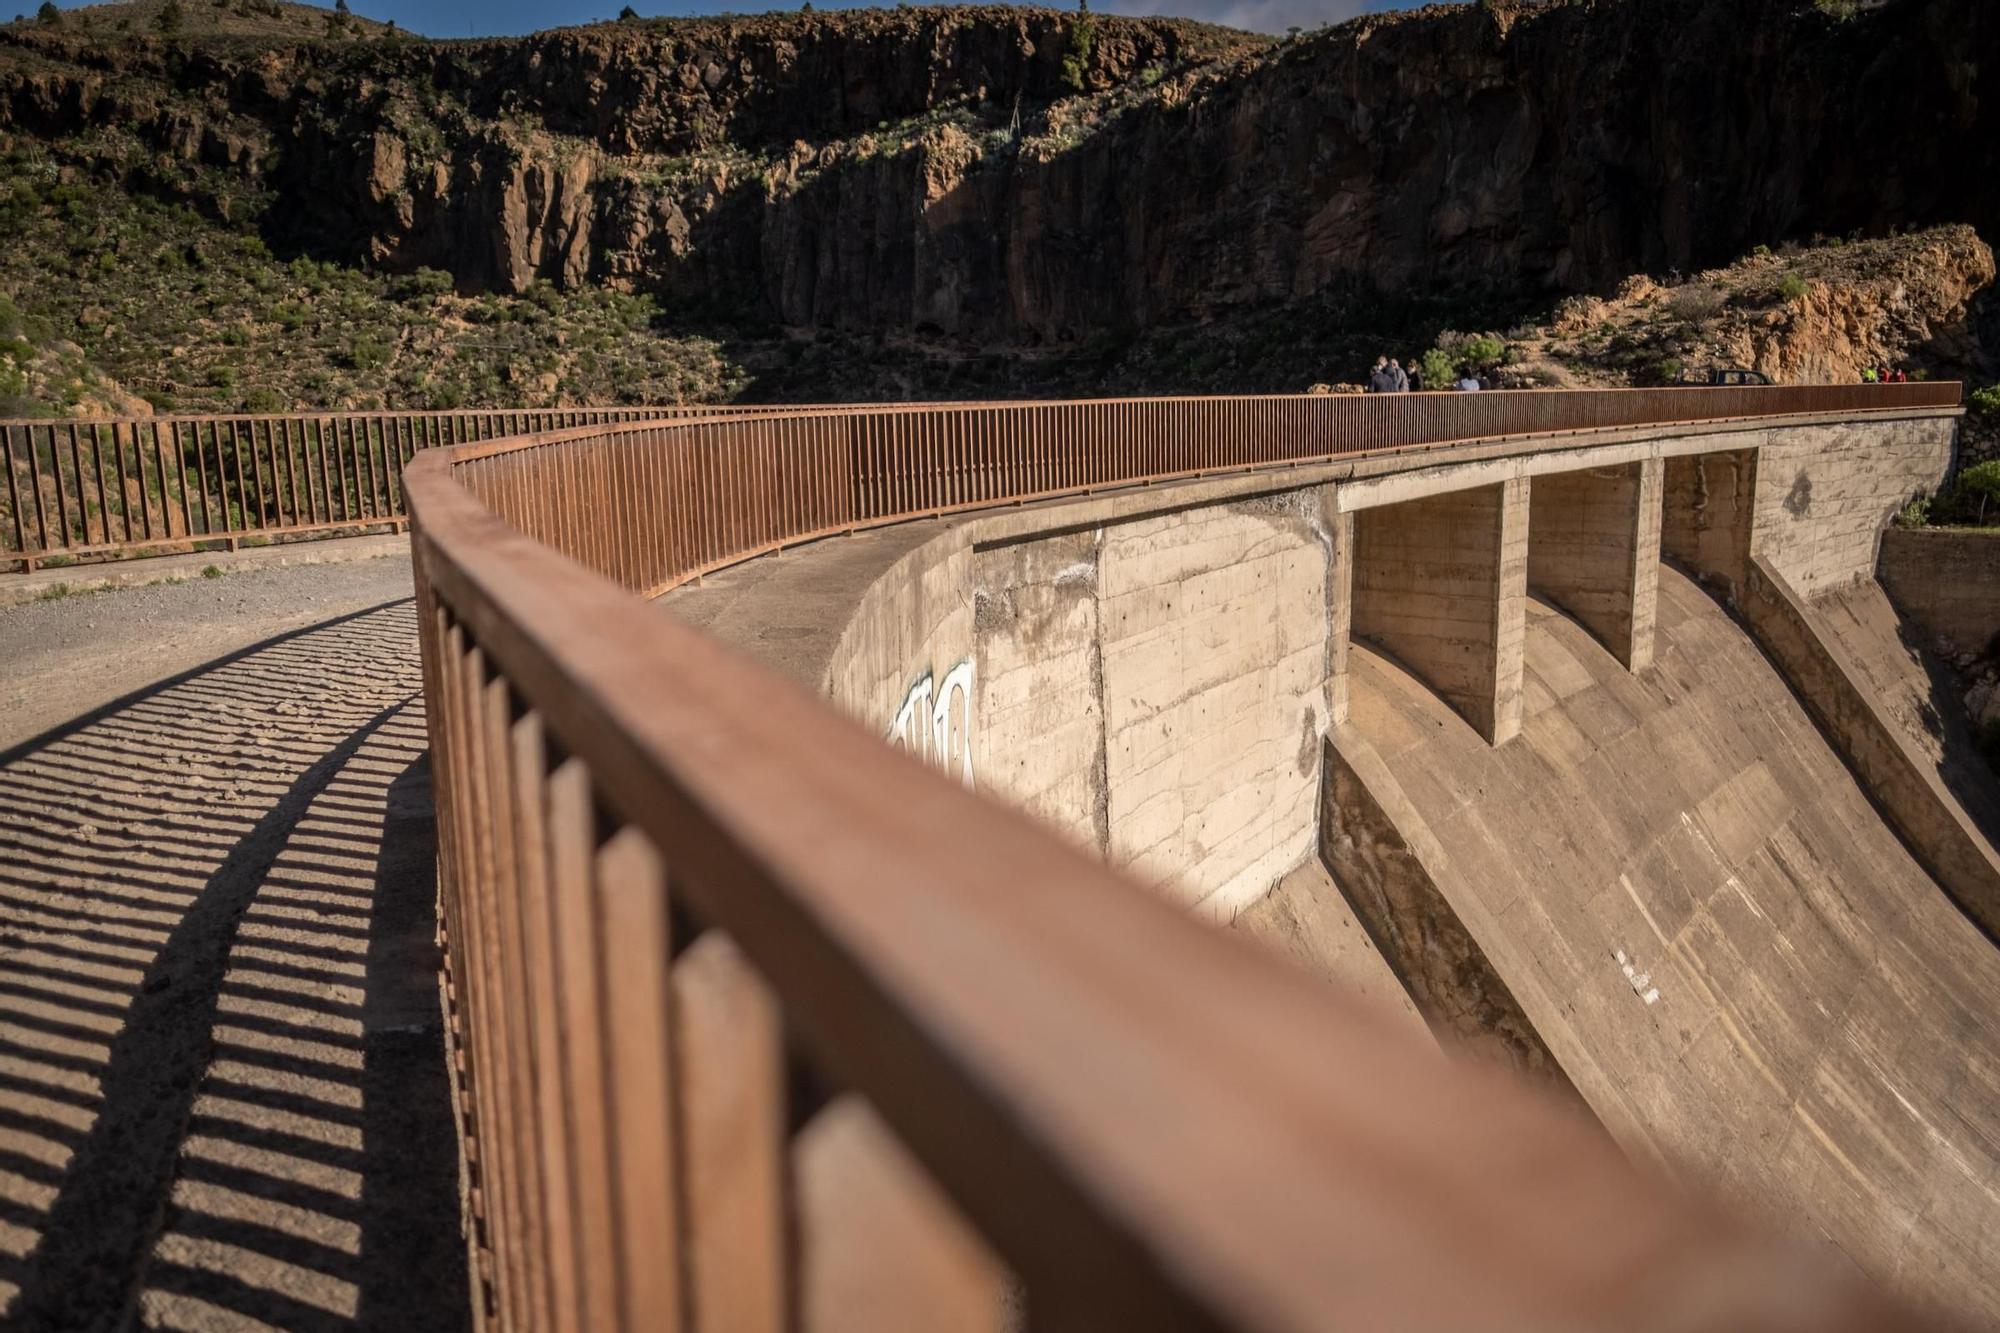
column 1439, row 583
column 1594, row 552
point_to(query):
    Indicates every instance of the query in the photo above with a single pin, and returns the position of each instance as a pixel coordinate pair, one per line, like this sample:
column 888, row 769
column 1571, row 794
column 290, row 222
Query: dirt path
column 59, row 659
column 222, row 1092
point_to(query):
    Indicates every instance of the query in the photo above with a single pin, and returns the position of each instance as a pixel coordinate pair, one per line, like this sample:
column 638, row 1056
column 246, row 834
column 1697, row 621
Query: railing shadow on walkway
column 222, row 1086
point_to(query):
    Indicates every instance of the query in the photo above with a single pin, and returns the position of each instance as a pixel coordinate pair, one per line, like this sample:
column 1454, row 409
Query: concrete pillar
column 1339, row 607
column 1441, row 584
column 1710, row 512
column 1594, row 551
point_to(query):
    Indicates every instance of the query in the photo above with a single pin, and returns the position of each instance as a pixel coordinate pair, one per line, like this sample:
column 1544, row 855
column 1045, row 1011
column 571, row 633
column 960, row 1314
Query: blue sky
column 458, row 18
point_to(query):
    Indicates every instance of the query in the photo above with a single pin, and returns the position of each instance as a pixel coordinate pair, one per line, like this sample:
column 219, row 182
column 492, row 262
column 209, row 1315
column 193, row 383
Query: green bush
column 1437, row 369
column 1915, row 514
column 366, row 353
column 1978, row 491
column 1791, row 287
column 1984, row 403
column 545, row 296
column 444, row 397
column 424, row 285
column 1483, row 353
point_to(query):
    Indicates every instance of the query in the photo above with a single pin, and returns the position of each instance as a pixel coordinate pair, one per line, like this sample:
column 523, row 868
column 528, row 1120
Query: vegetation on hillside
column 148, row 259
column 1802, row 313
column 195, row 314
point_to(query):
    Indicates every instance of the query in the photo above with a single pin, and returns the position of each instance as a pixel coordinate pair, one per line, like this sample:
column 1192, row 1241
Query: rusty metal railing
column 141, row 485
column 138, row 486
column 667, row 501
column 761, row 1025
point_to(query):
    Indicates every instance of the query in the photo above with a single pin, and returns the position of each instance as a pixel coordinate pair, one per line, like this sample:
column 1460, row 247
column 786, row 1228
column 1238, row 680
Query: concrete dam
column 1601, row 756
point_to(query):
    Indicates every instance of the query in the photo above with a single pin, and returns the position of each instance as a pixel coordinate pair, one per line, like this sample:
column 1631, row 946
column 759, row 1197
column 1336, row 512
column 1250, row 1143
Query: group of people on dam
column 1389, row 376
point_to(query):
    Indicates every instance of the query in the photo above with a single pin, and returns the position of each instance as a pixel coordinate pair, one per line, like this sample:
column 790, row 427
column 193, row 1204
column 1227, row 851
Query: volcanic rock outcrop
column 1035, row 174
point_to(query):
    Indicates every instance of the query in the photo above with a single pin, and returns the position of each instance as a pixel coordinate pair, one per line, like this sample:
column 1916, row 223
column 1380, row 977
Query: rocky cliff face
column 937, row 170
column 1801, row 315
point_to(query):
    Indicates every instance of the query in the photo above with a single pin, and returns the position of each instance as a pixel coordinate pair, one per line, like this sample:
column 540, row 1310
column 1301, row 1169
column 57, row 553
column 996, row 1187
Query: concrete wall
column 1594, row 551
column 1157, row 690
column 904, row 656
column 1825, row 493
column 1902, row 781
column 1709, row 515
column 1948, row 583
column 1895, row 667
column 1378, row 849
column 1811, row 500
column 1439, row 582
column 1041, row 695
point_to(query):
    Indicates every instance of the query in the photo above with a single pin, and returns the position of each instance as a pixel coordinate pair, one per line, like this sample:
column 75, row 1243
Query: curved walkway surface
column 223, row 1100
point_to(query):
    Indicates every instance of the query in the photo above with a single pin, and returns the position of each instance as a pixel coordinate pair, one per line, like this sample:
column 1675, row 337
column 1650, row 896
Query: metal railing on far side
column 142, row 485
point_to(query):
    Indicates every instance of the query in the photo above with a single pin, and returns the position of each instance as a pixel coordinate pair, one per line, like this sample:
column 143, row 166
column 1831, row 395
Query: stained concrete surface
column 1306, row 918
column 1440, row 583
column 1946, row 581
column 1738, row 964
column 1919, row 692
column 1156, row 690
column 223, row 1101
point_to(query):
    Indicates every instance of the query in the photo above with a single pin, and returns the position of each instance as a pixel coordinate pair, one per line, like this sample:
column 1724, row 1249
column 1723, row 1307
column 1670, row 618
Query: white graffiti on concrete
column 935, row 721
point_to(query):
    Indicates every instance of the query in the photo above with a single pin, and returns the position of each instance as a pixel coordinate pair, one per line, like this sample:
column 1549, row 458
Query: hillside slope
column 1817, row 314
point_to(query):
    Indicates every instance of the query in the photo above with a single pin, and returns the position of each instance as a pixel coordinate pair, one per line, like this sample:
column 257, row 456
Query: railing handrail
column 892, row 477
column 781, row 412
column 1151, row 1122
column 113, row 486
column 356, row 413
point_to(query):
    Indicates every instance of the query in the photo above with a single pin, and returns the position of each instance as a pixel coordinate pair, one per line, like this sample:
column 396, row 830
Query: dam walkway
column 749, row 1023
column 223, row 1094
